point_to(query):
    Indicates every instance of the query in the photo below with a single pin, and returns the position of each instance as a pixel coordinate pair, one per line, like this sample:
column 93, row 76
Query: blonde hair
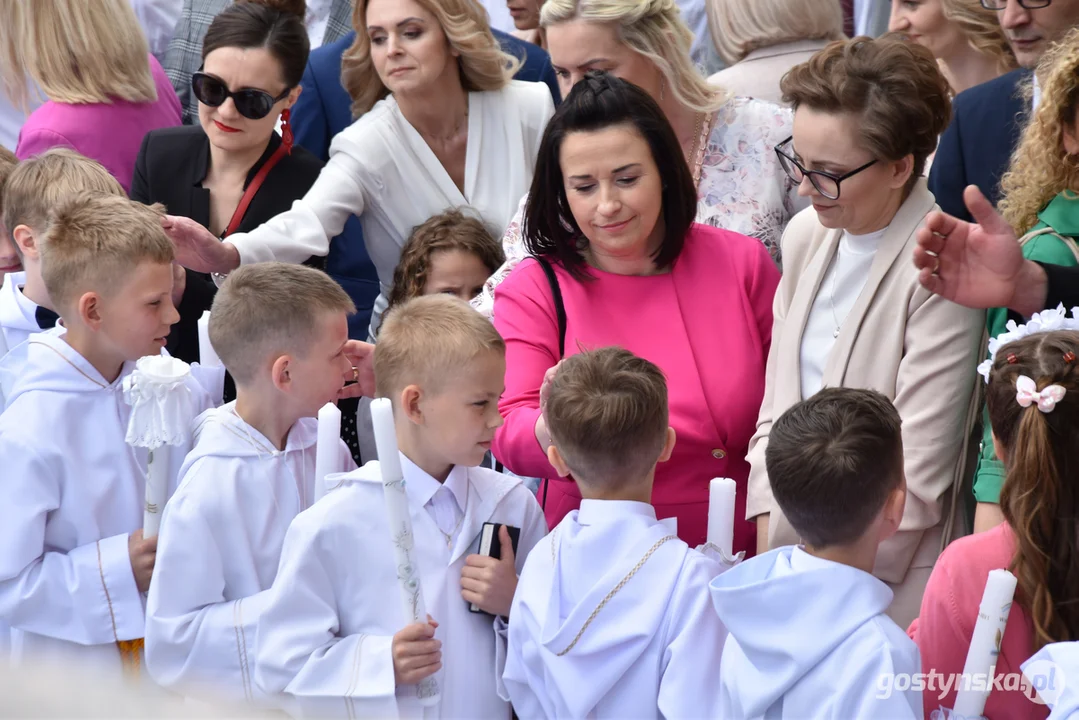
column 482, row 63
column 94, row 241
column 654, row 29
column 77, row 51
column 8, row 161
column 1040, row 169
column 39, row 184
column 271, row 307
column 425, row 340
column 982, row 31
column 739, row 27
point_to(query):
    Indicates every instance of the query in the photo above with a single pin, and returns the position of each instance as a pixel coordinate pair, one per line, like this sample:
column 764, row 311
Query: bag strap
column 1069, row 242
column 559, row 306
column 253, row 188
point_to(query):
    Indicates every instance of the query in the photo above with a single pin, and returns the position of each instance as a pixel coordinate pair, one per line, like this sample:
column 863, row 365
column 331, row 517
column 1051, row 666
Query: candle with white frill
column 400, row 523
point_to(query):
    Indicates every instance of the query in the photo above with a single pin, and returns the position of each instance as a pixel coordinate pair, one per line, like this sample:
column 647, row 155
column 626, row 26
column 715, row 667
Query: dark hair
column 607, row 415
column 832, row 461
column 1040, row 497
column 894, row 87
column 598, row 102
column 277, row 25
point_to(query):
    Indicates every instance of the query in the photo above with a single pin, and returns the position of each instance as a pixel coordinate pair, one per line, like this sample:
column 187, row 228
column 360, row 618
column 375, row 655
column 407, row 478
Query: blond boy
column 9, row 258
column 334, row 627
column 34, row 188
column 280, row 331
column 612, row 616
column 73, row 563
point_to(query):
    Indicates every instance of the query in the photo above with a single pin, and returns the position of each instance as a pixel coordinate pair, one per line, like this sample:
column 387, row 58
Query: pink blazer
column 110, row 133
column 707, row 324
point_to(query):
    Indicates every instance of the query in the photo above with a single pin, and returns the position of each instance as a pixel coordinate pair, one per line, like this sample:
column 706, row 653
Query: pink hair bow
column 1027, row 393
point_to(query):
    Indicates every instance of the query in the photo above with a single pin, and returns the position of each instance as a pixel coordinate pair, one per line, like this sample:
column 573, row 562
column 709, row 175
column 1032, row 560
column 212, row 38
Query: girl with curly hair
column 1040, row 200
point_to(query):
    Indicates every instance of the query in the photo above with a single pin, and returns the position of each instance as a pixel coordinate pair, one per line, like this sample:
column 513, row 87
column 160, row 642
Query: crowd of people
column 595, row 254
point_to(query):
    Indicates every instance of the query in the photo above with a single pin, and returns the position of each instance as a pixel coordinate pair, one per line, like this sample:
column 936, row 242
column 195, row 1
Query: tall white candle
column 985, row 643
column 721, row 493
column 400, row 522
column 328, row 447
column 207, row 355
column 157, row 490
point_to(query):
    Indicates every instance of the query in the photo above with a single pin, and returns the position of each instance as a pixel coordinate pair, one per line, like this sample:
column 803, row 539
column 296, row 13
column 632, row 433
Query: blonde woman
column 105, row 91
column 760, row 40
column 1040, row 200
column 964, row 37
column 727, row 141
column 441, row 125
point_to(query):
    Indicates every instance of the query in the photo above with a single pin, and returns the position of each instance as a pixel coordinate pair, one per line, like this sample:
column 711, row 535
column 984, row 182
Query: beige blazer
column 757, row 75
column 917, row 348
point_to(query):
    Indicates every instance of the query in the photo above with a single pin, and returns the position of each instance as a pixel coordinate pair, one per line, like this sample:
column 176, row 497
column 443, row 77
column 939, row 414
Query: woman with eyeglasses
column 849, row 311
column 232, row 172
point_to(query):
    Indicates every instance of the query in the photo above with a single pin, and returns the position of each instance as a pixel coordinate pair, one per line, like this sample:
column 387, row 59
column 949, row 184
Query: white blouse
column 742, row 187
column 382, row 170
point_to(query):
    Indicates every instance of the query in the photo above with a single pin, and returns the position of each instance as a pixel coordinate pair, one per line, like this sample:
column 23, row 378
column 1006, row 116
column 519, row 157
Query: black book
column 491, row 546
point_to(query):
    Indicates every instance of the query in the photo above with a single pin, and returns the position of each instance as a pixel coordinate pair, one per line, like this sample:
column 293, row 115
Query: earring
column 286, row 129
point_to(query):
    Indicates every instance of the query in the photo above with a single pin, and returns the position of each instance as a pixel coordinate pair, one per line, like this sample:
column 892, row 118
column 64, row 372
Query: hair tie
column 1027, row 394
column 1069, row 357
column 1012, row 359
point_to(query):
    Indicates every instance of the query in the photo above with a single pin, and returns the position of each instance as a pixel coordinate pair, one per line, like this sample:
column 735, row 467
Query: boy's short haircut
column 832, row 461
column 271, row 307
column 607, row 415
column 93, row 242
column 38, row 185
column 425, row 341
column 8, row 161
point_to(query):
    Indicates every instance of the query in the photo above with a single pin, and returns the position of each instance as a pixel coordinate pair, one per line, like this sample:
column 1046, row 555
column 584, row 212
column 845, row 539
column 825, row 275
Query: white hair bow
column 1027, row 393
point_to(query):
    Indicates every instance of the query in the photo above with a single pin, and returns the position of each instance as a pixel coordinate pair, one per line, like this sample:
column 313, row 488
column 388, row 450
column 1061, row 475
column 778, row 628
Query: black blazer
column 987, row 121
column 171, row 166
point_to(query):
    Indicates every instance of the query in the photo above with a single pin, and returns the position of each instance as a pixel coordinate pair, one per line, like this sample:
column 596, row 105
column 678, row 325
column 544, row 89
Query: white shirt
column 498, row 13
column 158, row 19
column 443, row 501
column 318, row 17
column 838, row 292
column 382, row 170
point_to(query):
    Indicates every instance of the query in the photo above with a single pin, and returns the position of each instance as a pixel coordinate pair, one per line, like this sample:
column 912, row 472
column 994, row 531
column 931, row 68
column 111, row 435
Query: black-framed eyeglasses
column 252, row 104
column 1028, row 4
column 827, row 183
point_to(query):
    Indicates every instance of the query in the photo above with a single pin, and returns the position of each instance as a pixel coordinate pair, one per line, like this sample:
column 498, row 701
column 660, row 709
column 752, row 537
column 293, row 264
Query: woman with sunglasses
column 232, row 172
column 849, row 311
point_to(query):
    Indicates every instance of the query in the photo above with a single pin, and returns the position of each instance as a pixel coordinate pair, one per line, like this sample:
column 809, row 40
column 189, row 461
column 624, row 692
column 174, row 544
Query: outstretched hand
column 980, row 264
column 197, row 248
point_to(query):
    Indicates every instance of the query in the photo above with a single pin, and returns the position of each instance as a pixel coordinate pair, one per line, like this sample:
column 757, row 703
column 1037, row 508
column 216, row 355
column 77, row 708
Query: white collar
column 421, row 487
column 18, row 311
column 597, row 512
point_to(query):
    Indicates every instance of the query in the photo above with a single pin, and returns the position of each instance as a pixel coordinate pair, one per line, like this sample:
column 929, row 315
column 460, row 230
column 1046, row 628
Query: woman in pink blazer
column 610, row 214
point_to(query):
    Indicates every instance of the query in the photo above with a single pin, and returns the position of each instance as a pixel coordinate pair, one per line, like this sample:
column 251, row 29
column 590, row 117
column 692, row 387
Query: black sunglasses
column 1028, row 4
column 252, row 104
column 827, row 183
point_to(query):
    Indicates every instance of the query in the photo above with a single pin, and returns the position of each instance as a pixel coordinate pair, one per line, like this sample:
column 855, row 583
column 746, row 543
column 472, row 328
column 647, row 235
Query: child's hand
column 143, row 554
column 490, row 583
column 545, row 386
column 416, row 653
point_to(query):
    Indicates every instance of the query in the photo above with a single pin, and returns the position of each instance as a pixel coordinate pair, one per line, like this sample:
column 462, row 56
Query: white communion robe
column 218, row 551
column 382, row 170
column 809, row 639
column 1053, row 672
column 326, row 634
column 612, row 619
column 72, row 491
column 18, row 320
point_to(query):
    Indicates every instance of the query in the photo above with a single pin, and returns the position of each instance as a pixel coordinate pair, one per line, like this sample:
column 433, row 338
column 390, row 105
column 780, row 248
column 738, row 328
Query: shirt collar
column 421, row 487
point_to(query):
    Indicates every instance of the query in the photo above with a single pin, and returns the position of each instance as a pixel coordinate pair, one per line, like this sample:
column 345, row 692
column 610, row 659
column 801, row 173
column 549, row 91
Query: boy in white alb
column 73, row 562
column 809, row 637
column 334, row 634
column 280, row 330
column 612, row 617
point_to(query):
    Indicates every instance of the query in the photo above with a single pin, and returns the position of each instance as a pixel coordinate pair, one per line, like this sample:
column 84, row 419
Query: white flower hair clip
column 1027, row 394
column 1043, row 322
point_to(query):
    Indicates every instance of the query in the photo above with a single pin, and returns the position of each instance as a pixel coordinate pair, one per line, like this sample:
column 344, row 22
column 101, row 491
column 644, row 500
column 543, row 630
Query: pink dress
column 707, row 324
column 110, row 133
column 946, row 624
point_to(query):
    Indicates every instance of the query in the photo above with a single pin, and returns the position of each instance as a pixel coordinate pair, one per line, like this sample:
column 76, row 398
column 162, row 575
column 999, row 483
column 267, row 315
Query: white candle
column 207, row 355
column 157, row 488
column 721, row 493
column 400, row 522
column 985, row 643
column 328, row 447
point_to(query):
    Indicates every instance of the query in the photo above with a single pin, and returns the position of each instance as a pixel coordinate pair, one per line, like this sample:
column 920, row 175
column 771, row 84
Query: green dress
column 1050, row 241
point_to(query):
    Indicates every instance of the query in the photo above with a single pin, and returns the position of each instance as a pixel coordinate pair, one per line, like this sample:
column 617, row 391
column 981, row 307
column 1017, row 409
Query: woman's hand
column 362, row 356
column 978, row 265
column 543, row 437
column 197, row 248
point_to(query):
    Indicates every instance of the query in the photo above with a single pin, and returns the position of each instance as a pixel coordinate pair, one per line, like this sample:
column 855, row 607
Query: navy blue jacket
column 986, row 124
column 324, row 109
